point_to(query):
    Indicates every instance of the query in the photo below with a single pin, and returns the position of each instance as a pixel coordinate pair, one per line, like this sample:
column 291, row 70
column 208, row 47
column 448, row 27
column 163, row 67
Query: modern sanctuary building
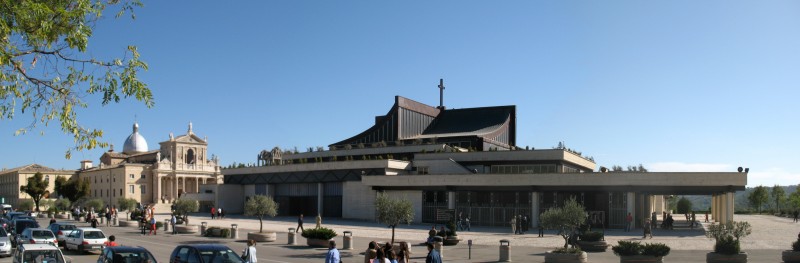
column 464, row 161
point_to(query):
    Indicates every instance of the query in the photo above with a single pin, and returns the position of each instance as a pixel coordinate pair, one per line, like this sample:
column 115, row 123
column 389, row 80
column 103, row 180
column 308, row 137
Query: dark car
column 11, row 215
column 21, row 225
column 204, row 253
column 126, row 255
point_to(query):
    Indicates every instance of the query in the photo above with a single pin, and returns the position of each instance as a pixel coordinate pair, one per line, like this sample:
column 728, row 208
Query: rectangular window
column 422, row 170
column 132, row 176
column 143, row 175
column 120, row 192
column 143, row 189
column 130, row 188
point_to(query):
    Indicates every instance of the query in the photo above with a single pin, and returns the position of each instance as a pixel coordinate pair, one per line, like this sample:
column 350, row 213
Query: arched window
column 190, row 156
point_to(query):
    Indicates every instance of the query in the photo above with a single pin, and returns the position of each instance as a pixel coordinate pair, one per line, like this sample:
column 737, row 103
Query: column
column 320, row 193
column 183, row 185
column 534, row 209
column 197, row 184
column 631, row 197
column 714, row 207
column 730, row 197
column 724, row 206
column 175, row 189
column 451, row 200
column 157, row 188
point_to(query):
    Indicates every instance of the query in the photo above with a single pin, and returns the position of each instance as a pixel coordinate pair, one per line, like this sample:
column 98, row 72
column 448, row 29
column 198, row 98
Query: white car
column 35, row 253
column 85, row 239
column 37, row 236
column 5, row 243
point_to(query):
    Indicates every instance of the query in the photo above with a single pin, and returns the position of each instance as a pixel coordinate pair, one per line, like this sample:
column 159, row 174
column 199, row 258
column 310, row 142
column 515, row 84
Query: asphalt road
column 161, row 246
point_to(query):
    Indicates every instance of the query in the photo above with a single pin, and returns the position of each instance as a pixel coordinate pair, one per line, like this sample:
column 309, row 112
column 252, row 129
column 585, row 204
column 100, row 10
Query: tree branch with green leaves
column 47, row 71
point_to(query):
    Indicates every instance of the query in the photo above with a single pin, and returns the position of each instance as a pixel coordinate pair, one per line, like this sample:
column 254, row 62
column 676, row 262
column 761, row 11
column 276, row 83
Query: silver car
column 5, row 243
column 37, row 236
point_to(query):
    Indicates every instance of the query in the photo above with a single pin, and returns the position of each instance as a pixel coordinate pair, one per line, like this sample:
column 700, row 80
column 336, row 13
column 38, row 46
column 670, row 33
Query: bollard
column 505, row 249
column 234, row 231
column 203, row 227
column 347, row 240
column 437, row 244
column 166, row 225
column 292, row 237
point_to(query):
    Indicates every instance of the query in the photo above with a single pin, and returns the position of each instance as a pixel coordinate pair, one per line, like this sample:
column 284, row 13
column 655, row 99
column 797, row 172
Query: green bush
column 591, row 236
column 26, row 205
column 627, row 248
column 564, row 250
column 655, row 249
column 319, row 233
column 451, row 228
column 727, row 245
column 159, row 224
column 225, row 232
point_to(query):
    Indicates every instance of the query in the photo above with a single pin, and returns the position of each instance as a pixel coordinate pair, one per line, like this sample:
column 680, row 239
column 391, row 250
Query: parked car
column 37, row 236
column 20, row 225
column 5, row 243
column 61, row 230
column 11, row 215
column 204, row 253
column 85, row 239
column 7, row 208
column 21, row 217
column 126, row 254
column 34, row 253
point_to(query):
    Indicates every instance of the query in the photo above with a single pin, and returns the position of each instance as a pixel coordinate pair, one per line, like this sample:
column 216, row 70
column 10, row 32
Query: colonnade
column 722, row 207
column 168, row 187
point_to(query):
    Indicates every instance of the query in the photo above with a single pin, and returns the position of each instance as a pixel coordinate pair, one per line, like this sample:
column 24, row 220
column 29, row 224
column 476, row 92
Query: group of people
column 463, row 222
column 519, row 224
column 91, row 215
column 387, row 254
column 217, row 213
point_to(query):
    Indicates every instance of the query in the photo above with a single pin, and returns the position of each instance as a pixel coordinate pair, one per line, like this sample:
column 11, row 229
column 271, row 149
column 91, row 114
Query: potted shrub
column 451, row 238
column 592, row 241
column 792, row 256
column 318, row 237
column 566, row 255
column 727, row 247
column 631, row 251
column 566, row 219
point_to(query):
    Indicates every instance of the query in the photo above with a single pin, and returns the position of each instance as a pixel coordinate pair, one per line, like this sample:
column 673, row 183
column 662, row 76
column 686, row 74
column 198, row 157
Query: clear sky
column 673, row 85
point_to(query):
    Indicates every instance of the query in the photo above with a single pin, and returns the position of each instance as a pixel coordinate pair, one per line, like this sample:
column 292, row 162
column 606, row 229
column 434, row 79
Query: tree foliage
column 95, row 203
column 393, row 212
column 26, row 205
column 36, row 188
column 684, row 206
column 127, row 205
column 758, row 197
column 794, row 198
column 184, row 206
column 566, row 219
column 47, row 71
column 778, row 196
column 260, row 206
column 73, row 189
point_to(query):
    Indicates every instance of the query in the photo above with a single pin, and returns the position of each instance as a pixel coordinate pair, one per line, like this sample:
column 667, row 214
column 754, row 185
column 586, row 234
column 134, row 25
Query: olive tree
column 36, row 188
column 566, row 219
column 260, row 206
column 758, row 197
column 393, row 212
column 684, row 206
column 127, row 205
column 184, row 206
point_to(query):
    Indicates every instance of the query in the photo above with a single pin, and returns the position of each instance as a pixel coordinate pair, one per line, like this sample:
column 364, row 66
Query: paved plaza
column 770, row 236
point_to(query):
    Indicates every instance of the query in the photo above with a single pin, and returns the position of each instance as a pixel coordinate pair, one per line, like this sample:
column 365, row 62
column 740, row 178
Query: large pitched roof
column 469, row 121
column 31, row 168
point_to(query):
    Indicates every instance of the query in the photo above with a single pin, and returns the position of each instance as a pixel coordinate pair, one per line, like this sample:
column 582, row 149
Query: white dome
column 135, row 143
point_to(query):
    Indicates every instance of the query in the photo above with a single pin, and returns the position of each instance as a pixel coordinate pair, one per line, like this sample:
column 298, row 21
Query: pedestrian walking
column 653, row 219
column 433, row 255
column 52, row 220
column 333, row 253
column 143, row 222
column 707, row 216
column 111, row 241
column 249, row 253
column 172, row 221
column 459, row 221
column 541, row 228
column 319, row 220
column 524, row 224
column 431, row 234
column 299, row 224
column 108, row 217
column 93, row 221
column 219, row 212
column 213, row 213
column 153, row 228
column 405, row 253
column 371, row 252
column 647, row 228
column 693, row 218
column 628, row 222
column 513, row 224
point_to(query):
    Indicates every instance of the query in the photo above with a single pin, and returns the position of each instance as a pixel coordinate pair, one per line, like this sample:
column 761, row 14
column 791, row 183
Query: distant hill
column 703, row 202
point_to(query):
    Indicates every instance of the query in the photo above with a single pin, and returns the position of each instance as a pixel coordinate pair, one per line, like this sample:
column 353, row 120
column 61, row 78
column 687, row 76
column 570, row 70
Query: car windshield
column 42, row 234
column 67, row 227
column 220, row 256
column 22, row 225
column 133, row 257
column 43, row 256
column 93, row 234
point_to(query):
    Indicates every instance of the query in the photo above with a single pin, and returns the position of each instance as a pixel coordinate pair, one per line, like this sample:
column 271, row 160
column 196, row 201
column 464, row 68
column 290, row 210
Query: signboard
column 445, row 215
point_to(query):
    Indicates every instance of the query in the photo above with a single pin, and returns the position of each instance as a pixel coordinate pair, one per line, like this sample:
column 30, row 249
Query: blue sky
column 673, row 85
